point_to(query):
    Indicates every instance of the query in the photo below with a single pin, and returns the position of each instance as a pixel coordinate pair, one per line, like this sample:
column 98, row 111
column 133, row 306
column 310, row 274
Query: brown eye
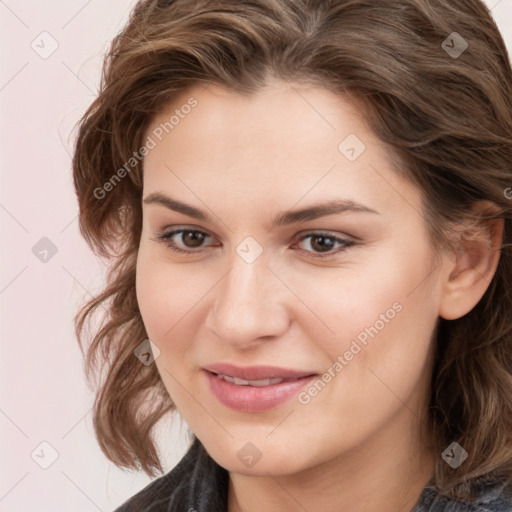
column 190, row 239
column 324, row 245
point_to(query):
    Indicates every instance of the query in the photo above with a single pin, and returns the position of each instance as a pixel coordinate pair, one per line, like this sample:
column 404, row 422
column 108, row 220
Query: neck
column 387, row 474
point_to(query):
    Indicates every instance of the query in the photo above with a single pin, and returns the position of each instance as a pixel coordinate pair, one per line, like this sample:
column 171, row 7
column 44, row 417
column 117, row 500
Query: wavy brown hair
column 448, row 119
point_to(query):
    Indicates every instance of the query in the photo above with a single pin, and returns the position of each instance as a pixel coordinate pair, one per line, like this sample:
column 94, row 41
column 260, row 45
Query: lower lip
column 253, row 398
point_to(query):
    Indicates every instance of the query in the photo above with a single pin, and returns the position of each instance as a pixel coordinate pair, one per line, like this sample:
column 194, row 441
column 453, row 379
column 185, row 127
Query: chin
column 249, row 460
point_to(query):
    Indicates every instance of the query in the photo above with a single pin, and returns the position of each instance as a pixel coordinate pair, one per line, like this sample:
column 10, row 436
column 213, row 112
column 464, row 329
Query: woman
column 307, row 213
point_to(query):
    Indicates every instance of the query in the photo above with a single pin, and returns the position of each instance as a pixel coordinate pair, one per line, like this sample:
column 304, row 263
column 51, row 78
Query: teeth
column 257, row 383
column 265, row 382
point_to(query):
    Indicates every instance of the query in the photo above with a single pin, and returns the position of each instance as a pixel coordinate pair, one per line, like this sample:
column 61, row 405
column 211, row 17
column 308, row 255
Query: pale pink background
column 43, row 396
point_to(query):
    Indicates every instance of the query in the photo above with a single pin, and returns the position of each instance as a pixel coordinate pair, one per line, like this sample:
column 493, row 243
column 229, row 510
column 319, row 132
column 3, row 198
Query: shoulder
column 197, row 483
column 489, row 497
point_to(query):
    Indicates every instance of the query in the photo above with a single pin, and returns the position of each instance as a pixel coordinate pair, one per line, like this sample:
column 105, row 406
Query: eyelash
column 166, row 239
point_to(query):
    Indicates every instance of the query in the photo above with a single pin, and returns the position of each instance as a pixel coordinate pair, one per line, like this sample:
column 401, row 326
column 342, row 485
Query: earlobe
column 471, row 267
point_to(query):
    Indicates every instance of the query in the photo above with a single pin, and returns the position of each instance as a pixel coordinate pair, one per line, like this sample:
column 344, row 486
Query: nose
column 249, row 305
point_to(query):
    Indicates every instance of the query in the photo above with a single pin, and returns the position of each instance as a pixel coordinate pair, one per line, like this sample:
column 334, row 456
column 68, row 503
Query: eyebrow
column 312, row 212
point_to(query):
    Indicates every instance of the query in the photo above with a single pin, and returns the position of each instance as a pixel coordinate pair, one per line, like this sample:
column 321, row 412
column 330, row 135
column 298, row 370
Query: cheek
column 382, row 314
column 163, row 295
column 166, row 298
column 171, row 299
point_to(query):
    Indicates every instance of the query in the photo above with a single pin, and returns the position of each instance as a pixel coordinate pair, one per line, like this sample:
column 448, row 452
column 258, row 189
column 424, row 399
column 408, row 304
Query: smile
column 257, row 395
column 257, row 383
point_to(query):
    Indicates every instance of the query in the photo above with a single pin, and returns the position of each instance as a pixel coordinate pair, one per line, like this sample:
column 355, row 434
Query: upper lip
column 256, row 372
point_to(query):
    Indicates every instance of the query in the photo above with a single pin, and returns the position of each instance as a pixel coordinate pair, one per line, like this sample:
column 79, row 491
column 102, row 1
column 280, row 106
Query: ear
column 471, row 267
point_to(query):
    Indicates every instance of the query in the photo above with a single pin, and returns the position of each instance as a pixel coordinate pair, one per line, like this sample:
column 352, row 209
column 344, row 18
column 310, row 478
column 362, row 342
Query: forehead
column 281, row 113
column 284, row 143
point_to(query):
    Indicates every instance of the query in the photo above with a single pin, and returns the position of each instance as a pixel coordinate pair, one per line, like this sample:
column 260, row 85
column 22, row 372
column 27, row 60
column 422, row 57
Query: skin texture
column 355, row 446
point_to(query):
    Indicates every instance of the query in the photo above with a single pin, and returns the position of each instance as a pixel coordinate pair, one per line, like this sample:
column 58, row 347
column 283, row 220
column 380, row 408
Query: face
column 341, row 300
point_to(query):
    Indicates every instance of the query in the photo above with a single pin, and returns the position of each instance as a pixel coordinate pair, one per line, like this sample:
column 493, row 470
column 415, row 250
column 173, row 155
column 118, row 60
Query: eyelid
column 346, row 243
column 165, row 236
column 326, row 232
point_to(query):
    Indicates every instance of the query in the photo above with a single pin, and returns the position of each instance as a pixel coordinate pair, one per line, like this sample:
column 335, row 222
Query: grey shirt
column 199, row 484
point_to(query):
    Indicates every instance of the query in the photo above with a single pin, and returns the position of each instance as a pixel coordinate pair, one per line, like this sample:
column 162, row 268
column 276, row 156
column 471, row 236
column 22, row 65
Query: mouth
column 255, row 374
column 255, row 389
column 256, row 383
